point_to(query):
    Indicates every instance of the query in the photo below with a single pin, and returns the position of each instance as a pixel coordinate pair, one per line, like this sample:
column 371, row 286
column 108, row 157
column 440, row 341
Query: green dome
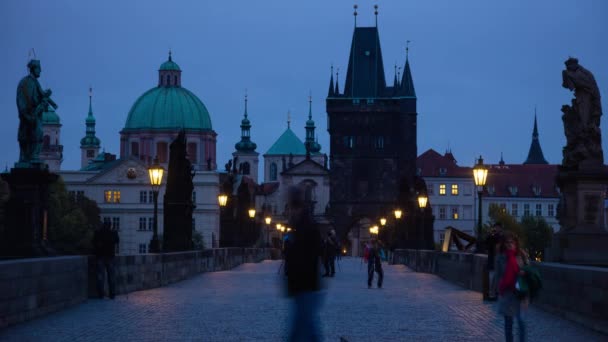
column 288, row 143
column 168, row 108
column 170, row 65
column 90, row 141
column 50, row 117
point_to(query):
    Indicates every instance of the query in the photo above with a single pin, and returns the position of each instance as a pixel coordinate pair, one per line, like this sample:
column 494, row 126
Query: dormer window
column 513, row 190
column 491, row 190
column 443, row 171
column 536, row 190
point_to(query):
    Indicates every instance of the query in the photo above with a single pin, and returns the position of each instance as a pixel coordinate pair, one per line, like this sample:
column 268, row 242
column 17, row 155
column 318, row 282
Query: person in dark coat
column 374, row 264
column 329, row 254
column 104, row 243
column 302, row 262
column 493, row 242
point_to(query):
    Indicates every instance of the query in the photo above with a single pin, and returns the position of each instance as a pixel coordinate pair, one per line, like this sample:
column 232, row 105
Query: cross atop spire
column 170, row 55
column 288, row 118
column 245, row 103
column 355, row 13
column 310, row 105
column 376, row 13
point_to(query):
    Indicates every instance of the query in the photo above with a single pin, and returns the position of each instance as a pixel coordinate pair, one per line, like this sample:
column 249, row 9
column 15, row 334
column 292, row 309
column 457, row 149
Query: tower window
column 175, row 80
column 246, row 168
column 90, row 153
column 168, row 80
column 161, row 151
column 135, row 148
column 192, row 152
column 273, row 171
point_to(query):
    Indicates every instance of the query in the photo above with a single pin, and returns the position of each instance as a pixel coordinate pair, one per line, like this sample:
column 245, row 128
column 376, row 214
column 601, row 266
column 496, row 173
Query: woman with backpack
column 512, row 303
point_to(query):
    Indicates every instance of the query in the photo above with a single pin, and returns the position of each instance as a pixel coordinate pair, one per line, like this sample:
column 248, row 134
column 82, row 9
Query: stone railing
column 33, row 287
column 579, row 293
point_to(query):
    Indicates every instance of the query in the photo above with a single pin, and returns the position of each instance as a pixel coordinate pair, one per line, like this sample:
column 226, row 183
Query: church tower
column 89, row 145
column 312, row 146
column 247, row 158
column 52, row 150
column 535, row 155
column 372, row 130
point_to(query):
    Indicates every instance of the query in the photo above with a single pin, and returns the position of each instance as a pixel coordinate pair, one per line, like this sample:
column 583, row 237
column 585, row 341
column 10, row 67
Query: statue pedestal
column 583, row 238
column 25, row 234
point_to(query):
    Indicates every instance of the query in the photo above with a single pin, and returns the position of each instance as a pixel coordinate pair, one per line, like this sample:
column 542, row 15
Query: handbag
column 522, row 289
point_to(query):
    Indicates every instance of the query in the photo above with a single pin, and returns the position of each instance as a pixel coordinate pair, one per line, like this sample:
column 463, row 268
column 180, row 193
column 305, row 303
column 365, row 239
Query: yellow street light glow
column 398, row 213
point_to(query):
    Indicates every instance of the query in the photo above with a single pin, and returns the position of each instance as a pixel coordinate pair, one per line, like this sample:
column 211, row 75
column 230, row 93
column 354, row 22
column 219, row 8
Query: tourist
column 104, row 243
column 510, row 303
column 302, row 262
column 493, row 241
column 374, row 264
column 329, row 253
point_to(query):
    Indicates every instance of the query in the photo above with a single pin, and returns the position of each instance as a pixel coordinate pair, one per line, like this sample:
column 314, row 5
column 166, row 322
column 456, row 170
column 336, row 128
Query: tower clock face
column 131, row 173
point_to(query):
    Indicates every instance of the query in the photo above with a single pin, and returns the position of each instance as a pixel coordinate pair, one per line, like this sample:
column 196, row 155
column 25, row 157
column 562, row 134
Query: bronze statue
column 32, row 102
column 582, row 119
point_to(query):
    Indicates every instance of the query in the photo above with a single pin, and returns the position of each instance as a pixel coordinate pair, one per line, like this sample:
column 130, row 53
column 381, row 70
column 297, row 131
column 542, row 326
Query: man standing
column 329, row 254
column 104, row 242
column 493, row 241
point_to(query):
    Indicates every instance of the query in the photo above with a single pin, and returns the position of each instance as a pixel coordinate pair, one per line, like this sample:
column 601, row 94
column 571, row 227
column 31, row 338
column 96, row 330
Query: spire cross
column 288, row 118
column 355, row 14
column 310, row 105
column 170, row 55
column 407, row 48
column 245, row 103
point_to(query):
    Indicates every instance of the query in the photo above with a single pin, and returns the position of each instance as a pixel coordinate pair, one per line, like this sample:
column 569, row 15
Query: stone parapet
column 579, row 293
column 34, row 287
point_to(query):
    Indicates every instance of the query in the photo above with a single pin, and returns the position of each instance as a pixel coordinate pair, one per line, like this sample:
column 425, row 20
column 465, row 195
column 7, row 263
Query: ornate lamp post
column 480, row 175
column 268, row 220
column 222, row 199
column 155, row 171
column 398, row 213
column 422, row 202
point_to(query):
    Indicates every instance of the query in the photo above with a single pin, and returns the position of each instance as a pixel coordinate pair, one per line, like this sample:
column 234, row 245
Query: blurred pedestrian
column 511, row 304
column 374, row 264
column 302, row 262
column 493, row 242
column 104, row 244
column 330, row 248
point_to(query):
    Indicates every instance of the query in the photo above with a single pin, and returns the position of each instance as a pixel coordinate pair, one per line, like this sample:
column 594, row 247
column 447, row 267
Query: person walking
column 509, row 266
column 374, row 264
column 104, row 244
column 329, row 254
column 303, row 276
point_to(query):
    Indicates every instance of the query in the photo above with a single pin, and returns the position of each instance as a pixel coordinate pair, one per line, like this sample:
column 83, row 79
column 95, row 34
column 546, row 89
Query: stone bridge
column 248, row 303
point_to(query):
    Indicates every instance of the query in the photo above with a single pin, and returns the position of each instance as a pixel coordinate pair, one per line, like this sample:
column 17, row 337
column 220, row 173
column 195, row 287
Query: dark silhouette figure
column 104, row 243
column 329, row 253
column 302, row 263
column 374, row 264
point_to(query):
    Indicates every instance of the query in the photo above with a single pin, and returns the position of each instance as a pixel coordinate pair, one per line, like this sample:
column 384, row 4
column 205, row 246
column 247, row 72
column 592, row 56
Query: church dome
column 168, row 106
column 50, row 117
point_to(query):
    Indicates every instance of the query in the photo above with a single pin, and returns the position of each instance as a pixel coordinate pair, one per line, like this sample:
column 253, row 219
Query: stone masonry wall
column 33, row 287
column 579, row 293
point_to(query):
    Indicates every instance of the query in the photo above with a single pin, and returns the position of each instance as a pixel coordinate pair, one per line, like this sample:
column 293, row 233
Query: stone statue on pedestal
column 582, row 119
column 32, row 101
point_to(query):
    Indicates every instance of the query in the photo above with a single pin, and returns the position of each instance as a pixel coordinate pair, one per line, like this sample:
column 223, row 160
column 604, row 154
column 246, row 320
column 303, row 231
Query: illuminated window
column 111, row 196
column 454, row 189
column 550, row 210
column 455, row 213
column 442, row 189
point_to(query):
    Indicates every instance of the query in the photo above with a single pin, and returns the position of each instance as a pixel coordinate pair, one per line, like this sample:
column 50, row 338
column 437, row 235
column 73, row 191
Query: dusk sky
column 479, row 67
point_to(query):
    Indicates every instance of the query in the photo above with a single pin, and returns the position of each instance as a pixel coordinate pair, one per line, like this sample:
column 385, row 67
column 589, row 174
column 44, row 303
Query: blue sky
column 479, row 67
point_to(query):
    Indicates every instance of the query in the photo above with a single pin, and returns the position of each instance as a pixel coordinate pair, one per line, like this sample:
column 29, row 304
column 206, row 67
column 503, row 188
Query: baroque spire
column 535, row 154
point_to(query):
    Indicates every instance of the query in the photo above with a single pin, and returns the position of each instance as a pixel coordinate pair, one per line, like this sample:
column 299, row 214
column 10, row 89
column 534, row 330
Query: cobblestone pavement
column 247, row 303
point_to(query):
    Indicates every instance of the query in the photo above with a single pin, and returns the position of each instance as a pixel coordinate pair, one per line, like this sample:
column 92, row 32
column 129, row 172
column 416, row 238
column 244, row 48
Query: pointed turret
column 407, row 83
column 90, row 144
column 337, row 91
column 365, row 74
column 245, row 145
column 330, row 93
column 535, row 155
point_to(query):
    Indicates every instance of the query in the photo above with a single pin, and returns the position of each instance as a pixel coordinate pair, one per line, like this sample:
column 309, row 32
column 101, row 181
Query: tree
column 198, row 242
column 509, row 223
column 71, row 221
column 538, row 235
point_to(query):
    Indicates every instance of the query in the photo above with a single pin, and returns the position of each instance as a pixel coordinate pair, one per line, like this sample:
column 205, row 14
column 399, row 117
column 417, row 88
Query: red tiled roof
column 507, row 180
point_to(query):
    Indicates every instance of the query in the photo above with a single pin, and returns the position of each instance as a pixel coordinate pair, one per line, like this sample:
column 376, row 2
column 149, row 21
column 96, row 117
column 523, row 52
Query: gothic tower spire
column 535, row 155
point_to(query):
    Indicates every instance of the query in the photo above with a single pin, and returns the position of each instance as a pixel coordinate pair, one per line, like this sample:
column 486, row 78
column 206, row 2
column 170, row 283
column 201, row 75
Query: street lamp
column 397, row 213
column 480, row 175
column 222, row 199
column 422, row 202
column 268, row 219
column 383, row 221
column 251, row 213
column 155, row 171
